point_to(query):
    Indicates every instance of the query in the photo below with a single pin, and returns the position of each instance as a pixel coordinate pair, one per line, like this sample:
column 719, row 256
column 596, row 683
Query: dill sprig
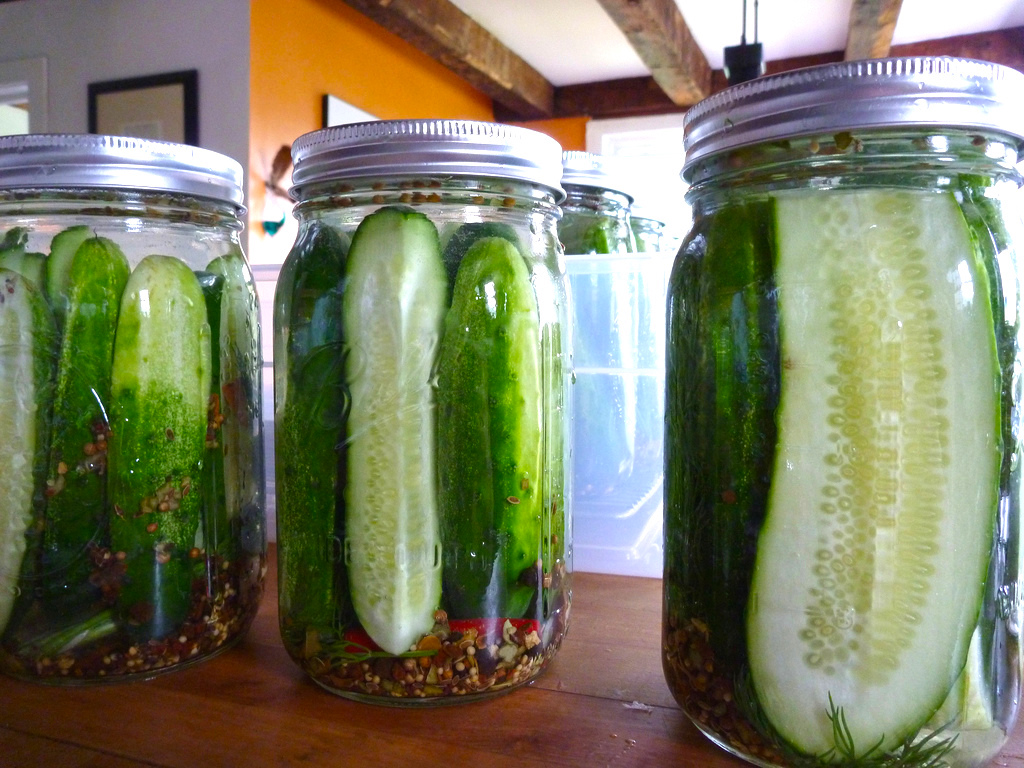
column 348, row 651
column 927, row 752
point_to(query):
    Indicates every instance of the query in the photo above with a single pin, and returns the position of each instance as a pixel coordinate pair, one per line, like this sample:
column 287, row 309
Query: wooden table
column 602, row 702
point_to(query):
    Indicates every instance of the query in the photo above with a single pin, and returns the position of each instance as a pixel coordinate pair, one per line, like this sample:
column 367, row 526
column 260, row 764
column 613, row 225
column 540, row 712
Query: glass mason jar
column 618, row 358
column 132, row 533
column 648, row 232
column 421, row 411
column 843, row 457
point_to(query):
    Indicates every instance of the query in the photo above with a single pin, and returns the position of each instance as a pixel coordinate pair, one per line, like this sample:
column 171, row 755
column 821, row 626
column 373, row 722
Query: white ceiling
column 574, row 41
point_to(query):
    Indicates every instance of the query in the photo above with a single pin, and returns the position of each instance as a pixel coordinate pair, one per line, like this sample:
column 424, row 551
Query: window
column 654, row 148
column 23, row 106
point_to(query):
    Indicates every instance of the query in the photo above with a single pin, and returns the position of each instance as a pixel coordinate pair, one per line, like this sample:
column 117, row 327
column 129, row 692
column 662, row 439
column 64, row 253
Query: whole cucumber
column 309, row 432
column 463, row 238
column 234, row 438
column 489, row 435
column 721, row 318
column 158, row 422
column 238, row 364
column 76, row 487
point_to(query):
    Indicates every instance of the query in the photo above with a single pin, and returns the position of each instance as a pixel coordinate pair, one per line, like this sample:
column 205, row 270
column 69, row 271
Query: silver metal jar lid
column 876, row 93
column 585, row 169
column 61, row 161
column 446, row 148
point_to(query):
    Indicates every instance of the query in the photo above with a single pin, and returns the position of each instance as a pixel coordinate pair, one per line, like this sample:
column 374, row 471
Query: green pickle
column 157, row 442
column 76, row 492
column 309, row 433
column 490, row 493
column 841, row 505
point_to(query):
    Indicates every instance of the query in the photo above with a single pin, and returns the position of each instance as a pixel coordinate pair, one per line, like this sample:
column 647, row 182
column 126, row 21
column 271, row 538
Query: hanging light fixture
column 744, row 61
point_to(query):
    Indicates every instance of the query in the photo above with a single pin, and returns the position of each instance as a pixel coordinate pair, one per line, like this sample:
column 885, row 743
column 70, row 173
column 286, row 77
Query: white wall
column 87, row 41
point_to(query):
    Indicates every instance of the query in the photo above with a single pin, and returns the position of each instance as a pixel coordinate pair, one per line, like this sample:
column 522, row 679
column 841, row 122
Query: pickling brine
column 842, row 453
column 132, row 515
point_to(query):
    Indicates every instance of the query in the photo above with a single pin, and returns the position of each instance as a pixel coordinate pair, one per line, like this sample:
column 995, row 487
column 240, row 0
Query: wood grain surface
column 602, row 702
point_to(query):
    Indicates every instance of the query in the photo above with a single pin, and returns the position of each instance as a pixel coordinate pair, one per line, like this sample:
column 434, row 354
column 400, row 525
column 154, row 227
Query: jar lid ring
column 429, row 147
column 62, row 160
column 901, row 92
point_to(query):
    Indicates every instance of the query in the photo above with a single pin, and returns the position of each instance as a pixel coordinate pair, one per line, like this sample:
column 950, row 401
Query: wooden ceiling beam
column 872, row 23
column 449, row 36
column 659, row 34
column 637, row 96
column 628, row 97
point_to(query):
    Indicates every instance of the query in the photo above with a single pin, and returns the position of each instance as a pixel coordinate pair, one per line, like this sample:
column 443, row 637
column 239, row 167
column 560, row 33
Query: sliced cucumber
column 26, row 371
column 393, row 311
column 969, row 703
column 58, row 266
column 29, row 265
column 871, row 563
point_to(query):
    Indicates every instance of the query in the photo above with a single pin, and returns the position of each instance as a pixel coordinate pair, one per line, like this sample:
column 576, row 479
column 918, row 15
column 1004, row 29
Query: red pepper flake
column 151, row 528
column 729, row 496
column 118, row 511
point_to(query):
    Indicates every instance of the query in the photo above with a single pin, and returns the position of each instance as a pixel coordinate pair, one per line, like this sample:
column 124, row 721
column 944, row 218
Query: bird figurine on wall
column 277, row 196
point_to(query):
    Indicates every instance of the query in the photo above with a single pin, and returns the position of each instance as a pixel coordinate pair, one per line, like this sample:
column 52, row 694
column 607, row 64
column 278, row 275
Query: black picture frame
column 148, row 107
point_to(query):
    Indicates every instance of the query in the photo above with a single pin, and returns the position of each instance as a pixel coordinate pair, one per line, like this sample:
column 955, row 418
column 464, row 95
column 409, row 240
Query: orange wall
column 303, row 49
column 570, row 132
